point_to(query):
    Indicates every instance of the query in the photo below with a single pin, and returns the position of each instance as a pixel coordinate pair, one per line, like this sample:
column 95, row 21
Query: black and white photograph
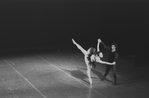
column 74, row 49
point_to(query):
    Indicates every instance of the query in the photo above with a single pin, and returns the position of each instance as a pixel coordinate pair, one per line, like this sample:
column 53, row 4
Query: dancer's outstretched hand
column 99, row 40
column 114, row 63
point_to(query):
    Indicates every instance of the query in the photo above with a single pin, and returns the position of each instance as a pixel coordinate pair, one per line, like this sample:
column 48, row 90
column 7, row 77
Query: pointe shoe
column 90, row 81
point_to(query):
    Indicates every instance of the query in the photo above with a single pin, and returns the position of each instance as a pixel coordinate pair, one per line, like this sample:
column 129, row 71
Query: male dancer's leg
column 108, row 67
column 114, row 74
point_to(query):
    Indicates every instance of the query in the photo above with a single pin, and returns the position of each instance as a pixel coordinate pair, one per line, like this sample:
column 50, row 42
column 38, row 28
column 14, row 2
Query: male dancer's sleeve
column 107, row 48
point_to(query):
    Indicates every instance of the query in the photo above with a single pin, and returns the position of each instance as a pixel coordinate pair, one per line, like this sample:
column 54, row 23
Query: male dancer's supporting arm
column 79, row 47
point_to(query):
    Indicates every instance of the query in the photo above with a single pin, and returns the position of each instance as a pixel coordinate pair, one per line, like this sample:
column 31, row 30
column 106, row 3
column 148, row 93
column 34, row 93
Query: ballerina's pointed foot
column 90, row 81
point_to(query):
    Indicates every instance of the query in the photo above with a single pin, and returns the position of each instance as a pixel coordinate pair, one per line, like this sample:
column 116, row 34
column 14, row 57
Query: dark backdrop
column 40, row 23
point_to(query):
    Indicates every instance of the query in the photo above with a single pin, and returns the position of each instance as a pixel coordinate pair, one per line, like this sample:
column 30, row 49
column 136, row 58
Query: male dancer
column 113, row 55
column 90, row 57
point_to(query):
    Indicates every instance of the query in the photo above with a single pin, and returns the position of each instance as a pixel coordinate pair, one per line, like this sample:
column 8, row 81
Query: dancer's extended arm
column 103, row 62
column 79, row 47
column 99, row 41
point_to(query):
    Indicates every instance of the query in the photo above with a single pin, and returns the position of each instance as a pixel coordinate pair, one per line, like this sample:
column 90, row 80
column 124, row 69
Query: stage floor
column 62, row 74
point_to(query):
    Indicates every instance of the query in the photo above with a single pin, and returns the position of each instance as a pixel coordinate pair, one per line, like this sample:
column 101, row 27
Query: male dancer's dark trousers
column 113, row 68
